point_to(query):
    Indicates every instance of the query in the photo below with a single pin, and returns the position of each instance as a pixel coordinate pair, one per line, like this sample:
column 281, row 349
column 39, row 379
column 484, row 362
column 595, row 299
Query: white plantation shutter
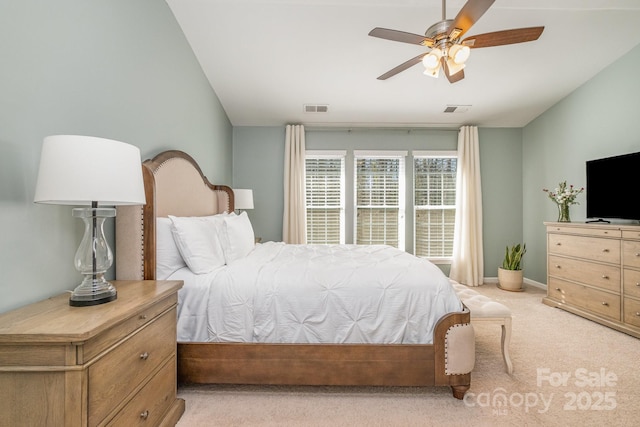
column 434, row 204
column 325, row 198
column 379, row 199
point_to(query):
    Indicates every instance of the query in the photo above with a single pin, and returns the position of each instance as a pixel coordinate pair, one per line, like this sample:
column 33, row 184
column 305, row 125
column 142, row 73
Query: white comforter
column 316, row 294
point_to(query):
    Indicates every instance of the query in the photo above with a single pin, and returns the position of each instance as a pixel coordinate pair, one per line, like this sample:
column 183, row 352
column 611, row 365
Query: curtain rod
column 374, row 128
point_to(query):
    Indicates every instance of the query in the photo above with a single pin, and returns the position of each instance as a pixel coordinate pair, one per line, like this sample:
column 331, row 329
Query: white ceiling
column 265, row 59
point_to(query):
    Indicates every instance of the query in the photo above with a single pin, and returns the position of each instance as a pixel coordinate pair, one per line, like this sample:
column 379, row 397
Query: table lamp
column 242, row 199
column 88, row 171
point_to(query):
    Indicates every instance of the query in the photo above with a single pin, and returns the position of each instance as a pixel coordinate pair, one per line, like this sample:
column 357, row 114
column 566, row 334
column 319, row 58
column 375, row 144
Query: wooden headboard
column 174, row 185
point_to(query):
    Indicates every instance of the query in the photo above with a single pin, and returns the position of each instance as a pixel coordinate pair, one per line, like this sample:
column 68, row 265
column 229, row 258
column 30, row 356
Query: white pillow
column 237, row 237
column 168, row 257
column 198, row 242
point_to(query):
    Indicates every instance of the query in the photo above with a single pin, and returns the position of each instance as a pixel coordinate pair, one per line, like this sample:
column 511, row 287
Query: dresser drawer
column 121, row 371
column 631, row 234
column 149, row 405
column 591, row 248
column 596, row 301
column 590, row 231
column 590, row 273
column 632, row 283
column 631, row 253
column 632, row 312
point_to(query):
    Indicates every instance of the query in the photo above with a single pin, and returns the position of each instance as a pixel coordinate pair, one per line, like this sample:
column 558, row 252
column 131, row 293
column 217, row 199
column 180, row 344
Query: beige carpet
column 568, row 371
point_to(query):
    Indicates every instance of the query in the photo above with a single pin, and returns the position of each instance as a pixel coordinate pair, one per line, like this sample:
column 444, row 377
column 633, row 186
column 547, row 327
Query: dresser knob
column 605, row 303
column 558, row 244
column 144, row 356
column 638, row 284
column 143, row 317
column 558, row 289
column 144, row 415
column 638, row 254
column 605, row 250
column 638, row 313
column 558, row 266
column 604, row 276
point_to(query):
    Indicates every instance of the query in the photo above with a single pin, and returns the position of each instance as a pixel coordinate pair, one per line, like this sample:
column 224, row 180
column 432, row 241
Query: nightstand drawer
column 591, row 248
column 632, row 312
column 148, row 406
column 631, row 253
column 120, row 372
column 590, row 273
column 596, row 301
column 93, row 347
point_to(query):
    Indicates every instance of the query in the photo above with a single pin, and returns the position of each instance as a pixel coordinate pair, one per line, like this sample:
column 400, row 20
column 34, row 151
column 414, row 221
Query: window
column 434, row 203
column 325, row 197
column 379, row 198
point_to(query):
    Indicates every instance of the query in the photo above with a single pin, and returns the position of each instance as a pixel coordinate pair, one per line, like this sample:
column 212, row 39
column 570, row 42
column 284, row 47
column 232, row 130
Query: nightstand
column 109, row 364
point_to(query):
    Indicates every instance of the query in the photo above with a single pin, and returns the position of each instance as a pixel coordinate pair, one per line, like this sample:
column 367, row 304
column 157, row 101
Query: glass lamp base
column 93, row 292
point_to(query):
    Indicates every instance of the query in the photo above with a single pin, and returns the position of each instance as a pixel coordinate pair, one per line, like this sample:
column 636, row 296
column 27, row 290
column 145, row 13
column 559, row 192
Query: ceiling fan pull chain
column 444, row 10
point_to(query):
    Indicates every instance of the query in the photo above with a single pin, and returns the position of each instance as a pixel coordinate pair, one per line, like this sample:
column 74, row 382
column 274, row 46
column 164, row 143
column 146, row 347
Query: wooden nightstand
column 109, row 364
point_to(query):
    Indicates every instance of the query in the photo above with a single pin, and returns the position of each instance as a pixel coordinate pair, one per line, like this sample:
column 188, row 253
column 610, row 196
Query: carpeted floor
column 568, row 371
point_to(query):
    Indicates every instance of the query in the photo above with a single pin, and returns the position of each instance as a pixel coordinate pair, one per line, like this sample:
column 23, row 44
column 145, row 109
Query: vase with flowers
column 564, row 196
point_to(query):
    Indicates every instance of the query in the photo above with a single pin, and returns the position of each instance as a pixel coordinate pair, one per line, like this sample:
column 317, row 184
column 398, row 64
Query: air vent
column 457, row 108
column 316, row 108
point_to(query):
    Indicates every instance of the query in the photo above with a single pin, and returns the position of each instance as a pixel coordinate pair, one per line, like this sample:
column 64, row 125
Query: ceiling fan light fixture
column 454, row 67
column 459, row 53
column 432, row 72
column 432, row 59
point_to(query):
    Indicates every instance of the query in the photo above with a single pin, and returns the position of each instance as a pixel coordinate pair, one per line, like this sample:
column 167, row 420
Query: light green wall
column 259, row 159
column 119, row 69
column 597, row 120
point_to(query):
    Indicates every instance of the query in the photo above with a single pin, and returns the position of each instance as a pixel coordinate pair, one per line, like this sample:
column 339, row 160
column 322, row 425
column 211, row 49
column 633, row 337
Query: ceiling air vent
column 457, row 108
column 316, row 108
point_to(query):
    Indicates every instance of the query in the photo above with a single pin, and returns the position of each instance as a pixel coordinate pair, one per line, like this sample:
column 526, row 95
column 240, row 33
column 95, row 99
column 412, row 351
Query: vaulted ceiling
column 267, row 59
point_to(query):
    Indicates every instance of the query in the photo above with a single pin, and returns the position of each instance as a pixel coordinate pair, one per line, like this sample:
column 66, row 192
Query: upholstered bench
column 485, row 310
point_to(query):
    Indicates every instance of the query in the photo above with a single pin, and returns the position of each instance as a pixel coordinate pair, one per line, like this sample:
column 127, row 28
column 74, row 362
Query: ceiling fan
column 448, row 52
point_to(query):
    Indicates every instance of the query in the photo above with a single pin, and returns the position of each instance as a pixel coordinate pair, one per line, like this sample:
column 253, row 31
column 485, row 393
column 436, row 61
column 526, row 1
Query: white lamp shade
column 77, row 170
column 242, row 198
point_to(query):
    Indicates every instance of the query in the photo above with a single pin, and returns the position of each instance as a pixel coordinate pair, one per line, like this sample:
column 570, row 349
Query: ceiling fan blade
column 451, row 77
column 401, row 36
column 410, row 63
column 468, row 15
column 500, row 38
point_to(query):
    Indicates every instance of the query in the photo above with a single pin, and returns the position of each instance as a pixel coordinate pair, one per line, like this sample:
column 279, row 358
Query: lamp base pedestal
column 93, row 292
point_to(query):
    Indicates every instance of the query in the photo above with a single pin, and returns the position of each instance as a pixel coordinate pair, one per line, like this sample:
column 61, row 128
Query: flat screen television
column 613, row 190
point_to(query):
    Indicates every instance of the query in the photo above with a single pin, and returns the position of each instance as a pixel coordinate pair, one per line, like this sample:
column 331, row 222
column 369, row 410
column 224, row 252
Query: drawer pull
column 604, row 276
column 638, row 254
column 143, row 317
column 605, row 303
column 558, row 266
column 144, row 356
column 558, row 289
column 605, row 250
column 638, row 313
column 638, row 284
column 558, row 244
column 144, row 415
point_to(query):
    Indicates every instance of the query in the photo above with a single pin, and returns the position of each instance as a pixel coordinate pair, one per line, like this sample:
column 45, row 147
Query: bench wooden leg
column 506, row 339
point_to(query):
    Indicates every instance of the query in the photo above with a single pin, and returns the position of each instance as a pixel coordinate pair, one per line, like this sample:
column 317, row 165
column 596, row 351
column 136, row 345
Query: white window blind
column 325, row 198
column 434, row 205
column 379, row 199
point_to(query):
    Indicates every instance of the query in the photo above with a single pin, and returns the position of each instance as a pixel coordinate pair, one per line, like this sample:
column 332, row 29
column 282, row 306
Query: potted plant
column 510, row 275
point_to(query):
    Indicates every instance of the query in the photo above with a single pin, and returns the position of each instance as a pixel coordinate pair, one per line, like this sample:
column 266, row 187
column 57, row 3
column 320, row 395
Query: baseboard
column 526, row 282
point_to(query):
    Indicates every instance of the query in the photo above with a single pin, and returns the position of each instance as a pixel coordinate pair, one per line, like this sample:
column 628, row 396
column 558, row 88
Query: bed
column 177, row 190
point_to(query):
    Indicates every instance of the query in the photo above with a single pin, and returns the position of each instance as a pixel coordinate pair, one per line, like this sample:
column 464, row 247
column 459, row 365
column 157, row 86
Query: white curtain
column 467, row 265
column 294, row 223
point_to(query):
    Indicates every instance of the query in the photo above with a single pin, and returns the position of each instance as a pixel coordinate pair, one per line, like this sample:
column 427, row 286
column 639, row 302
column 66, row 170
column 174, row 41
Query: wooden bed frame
column 175, row 185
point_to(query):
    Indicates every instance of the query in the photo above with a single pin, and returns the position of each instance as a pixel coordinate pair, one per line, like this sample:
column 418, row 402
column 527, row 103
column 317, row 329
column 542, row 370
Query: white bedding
column 316, row 294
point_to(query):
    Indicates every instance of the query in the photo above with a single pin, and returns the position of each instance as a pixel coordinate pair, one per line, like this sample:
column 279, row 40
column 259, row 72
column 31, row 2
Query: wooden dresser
column 593, row 270
column 109, row 364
